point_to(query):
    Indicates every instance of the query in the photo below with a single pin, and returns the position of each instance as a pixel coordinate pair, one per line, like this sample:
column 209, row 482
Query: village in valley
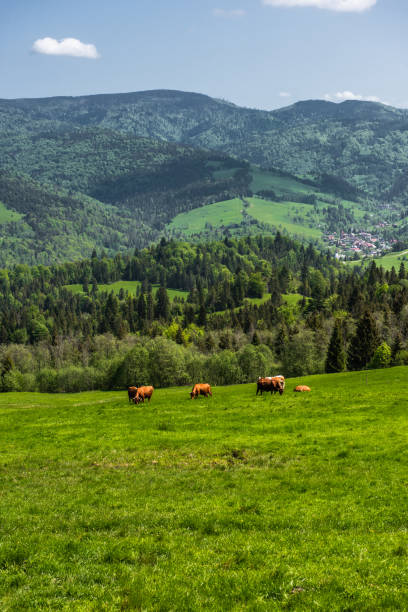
column 357, row 244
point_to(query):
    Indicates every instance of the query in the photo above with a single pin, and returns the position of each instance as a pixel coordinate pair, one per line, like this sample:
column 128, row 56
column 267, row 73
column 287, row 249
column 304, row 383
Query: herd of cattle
column 274, row 384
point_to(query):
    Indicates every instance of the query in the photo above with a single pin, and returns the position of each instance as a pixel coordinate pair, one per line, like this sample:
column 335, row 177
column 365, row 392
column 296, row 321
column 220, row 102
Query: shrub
column 223, row 369
column 167, row 363
column 300, row 356
column 401, row 358
column 195, row 363
column 381, row 357
column 255, row 361
column 47, row 380
column 133, row 369
column 74, row 379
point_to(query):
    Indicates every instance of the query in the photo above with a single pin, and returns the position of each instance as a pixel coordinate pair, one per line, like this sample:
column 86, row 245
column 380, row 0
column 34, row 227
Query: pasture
column 7, row 215
column 212, row 215
column 282, row 215
column 279, row 183
column 234, row 502
column 130, row 286
column 388, row 261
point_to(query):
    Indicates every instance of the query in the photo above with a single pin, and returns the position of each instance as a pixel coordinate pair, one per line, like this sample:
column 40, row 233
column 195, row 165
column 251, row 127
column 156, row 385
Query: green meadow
column 234, row 502
column 7, row 215
column 278, row 214
column 198, row 219
column 280, row 184
column 387, row 261
column 129, row 286
column 281, row 215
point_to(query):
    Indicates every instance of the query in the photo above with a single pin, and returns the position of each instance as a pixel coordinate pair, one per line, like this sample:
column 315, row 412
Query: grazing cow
column 132, row 393
column 274, row 384
column 142, row 394
column 279, row 376
column 200, row 389
column 301, row 388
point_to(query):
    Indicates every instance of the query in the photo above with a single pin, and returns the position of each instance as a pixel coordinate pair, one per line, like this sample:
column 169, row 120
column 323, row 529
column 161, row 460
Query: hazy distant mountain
column 112, row 171
column 365, row 143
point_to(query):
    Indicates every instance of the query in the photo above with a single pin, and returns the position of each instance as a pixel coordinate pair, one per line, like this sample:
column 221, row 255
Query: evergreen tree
column 336, row 355
column 141, row 307
column 255, row 339
column 162, row 304
column 209, row 342
column 150, row 307
column 202, row 315
column 281, row 340
column 396, row 345
column 179, row 335
column 363, row 343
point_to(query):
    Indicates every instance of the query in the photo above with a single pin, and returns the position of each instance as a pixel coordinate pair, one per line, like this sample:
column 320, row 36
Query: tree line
column 288, row 305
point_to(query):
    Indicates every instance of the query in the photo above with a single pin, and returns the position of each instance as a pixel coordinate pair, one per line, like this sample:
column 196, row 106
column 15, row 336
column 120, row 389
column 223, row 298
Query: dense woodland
column 57, row 340
column 111, row 172
column 363, row 143
column 106, row 174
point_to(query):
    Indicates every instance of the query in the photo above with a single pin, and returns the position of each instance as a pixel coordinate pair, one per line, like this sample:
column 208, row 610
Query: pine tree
column 336, row 356
column 281, row 340
column 396, row 345
column 179, row 335
column 255, row 339
column 363, row 343
column 162, row 304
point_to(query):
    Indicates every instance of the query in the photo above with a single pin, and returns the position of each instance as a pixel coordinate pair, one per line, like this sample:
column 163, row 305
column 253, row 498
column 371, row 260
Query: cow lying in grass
column 200, row 389
column 301, row 388
column 142, row 394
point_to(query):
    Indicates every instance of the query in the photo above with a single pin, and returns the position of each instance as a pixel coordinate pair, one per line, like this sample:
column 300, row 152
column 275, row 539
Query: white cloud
column 66, row 46
column 341, row 96
column 285, row 94
column 342, row 6
column 228, row 13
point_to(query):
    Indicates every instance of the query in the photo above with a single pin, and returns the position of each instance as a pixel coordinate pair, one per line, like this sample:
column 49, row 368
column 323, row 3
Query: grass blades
column 235, row 502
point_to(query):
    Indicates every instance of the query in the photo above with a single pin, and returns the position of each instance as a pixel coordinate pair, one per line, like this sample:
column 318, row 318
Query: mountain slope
column 365, row 143
column 80, row 188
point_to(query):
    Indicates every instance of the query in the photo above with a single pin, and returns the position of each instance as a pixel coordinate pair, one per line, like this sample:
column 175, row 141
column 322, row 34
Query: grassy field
column 220, row 213
column 292, row 298
column 264, row 179
column 130, row 287
column 232, row 503
column 387, row 262
column 280, row 214
column 7, row 215
column 393, row 259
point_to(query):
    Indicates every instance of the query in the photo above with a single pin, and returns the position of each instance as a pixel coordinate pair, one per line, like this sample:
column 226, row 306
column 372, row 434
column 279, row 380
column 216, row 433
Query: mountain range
column 113, row 170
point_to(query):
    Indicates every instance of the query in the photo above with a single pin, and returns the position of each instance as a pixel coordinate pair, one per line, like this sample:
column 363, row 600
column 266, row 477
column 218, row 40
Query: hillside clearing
column 235, row 502
column 130, row 286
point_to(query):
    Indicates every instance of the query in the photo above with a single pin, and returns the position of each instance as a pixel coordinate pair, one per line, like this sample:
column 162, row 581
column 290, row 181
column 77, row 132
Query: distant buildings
column 359, row 242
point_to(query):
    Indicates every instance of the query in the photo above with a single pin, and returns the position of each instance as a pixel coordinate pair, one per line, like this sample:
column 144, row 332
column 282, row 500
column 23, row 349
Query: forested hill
column 236, row 309
column 362, row 142
column 67, row 191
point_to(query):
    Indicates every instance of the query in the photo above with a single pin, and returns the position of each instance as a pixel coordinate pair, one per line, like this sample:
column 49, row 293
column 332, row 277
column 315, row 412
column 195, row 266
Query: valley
column 120, row 171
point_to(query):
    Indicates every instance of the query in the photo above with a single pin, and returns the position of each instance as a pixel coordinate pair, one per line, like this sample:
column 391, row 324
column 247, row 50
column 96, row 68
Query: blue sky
column 257, row 53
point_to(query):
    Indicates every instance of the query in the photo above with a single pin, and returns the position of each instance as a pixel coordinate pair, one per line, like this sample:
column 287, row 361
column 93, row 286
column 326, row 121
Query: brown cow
column 201, row 389
column 132, row 393
column 274, row 384
column 301, row 388
column 279, row 376
column 142, row 394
